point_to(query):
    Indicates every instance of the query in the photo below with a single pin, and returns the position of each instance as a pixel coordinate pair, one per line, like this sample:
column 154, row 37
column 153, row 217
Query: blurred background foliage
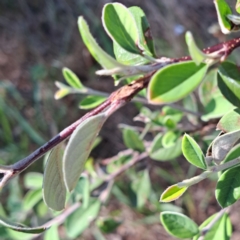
column 40, row 37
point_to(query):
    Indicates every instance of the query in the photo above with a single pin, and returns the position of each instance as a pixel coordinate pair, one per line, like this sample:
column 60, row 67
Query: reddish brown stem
column 124, row 94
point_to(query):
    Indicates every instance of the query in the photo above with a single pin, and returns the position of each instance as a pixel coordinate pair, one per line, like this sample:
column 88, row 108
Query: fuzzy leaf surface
column 79, row 147
column 54, row 189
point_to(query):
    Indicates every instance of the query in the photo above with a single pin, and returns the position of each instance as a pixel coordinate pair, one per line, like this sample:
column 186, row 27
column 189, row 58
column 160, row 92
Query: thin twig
column 173, row 105
column 137, row 158
column 123, row 95
column 126, row 152
column 61, row 217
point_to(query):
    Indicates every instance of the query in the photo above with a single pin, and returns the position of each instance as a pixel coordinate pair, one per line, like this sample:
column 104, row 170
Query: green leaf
column 145, row 40
column 237, row 7
column 132, row 140
column 178, row 225
column 20, row 228
column 52, row 233
column 83, row 188
column 228, row 187
column 145, row 37
column 161, row 153
column 172, row 193
column 175, row 114
column 196, row 54
column 215, row 105
column 41, row 209
column 79, row 220
column 223, row 10
column 104, row 59
column 229, row 82
column 175, row 81
column 79, row 147
column 126, row 57
column 190, row 103
column 169, row 139
column 235, row 20
column 232, row 154
column 192, row 152
column 221, row 230
column 91, row 102
column 15, row 235
column 71, row 78
column 33, row 180
column 107, row 225
column 54, row 190
column 142, row 188
column 31, row 199
column 63, row 91
column 222, row 145
column 208, row 88
column 216, row 108
column 169, row 122
column 121, row 26
column 230, row 121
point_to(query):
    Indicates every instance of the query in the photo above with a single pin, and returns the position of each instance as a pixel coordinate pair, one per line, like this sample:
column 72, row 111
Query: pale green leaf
column 178, row 225
column 54, row 190
column 79, row 220
column 172, row 193
column 71, row 78
column 222, row 145
column 33, row 180
column 192, row 152
column 79, row 147
column 104, row 59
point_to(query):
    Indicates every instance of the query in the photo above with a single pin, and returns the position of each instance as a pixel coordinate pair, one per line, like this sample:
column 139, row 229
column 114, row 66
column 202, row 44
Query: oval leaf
column 141, row 186
column 222, row 145
column 196, row 54
column 71, row 78
column 172, row 193
column 175, row 81
column 91, row 102
column 161, row 153
column 104, row 59
column 126, row 57
column 178, row 225
column 238, row 6
column 132, row 140
column 78, row 149
column 31, row 199
column 192, row 152
column 230, row 122
column 143, row 27
column 216, row 108
column 33, row 180
column 223, row 10
column 121, row 26
column 228, row 187
column 229, row 82
column 79, row 220
column 54, row 190
column 20, row 228
column 221, row 229
column 208, row 87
